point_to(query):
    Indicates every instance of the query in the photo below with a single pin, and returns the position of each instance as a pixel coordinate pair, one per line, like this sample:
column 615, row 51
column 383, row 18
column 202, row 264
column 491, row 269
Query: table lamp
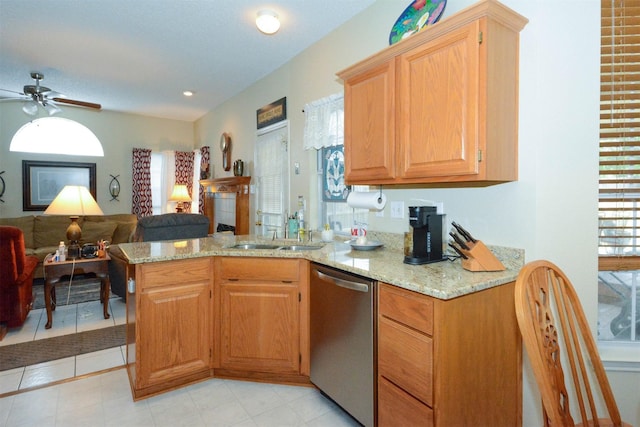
column 75, row 201
column 180, row 194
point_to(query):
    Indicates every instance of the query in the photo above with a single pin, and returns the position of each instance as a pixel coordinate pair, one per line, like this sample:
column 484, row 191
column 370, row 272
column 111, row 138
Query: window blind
column 619, row 183
column 271, row 176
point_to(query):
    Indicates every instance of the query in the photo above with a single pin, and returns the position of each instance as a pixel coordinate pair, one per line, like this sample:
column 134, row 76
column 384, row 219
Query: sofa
column 171, row 226
column 43, row 233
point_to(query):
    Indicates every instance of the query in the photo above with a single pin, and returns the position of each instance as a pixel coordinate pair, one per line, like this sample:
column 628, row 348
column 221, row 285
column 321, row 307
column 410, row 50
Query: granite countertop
column 443, row 280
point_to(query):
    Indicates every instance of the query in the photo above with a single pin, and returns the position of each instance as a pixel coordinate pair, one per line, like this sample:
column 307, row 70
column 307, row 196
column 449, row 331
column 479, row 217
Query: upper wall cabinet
column 439, row 107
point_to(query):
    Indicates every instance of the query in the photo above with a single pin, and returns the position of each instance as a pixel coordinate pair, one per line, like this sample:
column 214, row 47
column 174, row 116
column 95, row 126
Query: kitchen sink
column 299, row 248
column 251, row 246
column 254, row 246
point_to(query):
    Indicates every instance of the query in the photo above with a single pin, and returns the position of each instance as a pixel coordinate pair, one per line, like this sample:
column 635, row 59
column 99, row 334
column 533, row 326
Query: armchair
column 16, row 277
column 169, row 226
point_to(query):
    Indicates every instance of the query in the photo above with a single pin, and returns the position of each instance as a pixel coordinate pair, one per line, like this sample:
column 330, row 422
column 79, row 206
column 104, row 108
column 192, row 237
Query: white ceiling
column 138, row 56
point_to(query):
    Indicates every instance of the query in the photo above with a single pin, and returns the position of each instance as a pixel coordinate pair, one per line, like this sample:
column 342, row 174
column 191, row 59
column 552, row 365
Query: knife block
column 480, row 258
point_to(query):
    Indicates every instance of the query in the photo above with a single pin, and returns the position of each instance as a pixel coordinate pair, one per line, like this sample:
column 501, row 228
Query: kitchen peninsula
column 449, row 349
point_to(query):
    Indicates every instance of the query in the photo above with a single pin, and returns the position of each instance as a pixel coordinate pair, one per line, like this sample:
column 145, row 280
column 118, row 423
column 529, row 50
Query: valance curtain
column 324, row 122
column 141, row 203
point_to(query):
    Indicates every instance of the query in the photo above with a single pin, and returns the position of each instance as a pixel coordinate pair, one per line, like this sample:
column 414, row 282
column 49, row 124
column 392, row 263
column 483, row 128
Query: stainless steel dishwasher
column 343, row 340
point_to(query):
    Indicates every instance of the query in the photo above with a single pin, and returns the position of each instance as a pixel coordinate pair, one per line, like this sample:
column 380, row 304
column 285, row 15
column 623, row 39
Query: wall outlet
column 397, row 210
column 380, row 214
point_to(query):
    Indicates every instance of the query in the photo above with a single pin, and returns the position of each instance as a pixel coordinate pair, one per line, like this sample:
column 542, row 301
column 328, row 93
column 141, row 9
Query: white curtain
column 324, row 122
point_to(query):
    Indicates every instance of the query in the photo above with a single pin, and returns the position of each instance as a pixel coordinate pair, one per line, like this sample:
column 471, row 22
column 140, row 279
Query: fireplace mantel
column 233, row 184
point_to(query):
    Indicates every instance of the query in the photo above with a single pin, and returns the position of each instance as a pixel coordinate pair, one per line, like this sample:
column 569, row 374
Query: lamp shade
column 74, row 200
column 180, row 194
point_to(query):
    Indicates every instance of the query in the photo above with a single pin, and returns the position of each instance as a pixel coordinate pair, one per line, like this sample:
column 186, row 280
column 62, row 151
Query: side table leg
column 105, row 286
column 47, row 302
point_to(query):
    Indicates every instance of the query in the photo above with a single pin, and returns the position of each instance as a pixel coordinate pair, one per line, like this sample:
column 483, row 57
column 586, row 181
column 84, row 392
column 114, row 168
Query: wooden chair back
column 555, row 332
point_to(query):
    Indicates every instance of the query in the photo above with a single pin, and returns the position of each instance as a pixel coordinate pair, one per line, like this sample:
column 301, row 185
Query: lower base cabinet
column 172, row 343
column 261, row 307
column 451, row 362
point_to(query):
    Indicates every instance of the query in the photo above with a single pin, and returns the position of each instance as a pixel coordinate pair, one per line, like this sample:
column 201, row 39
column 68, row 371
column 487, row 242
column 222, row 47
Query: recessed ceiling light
column 187, row 93
column 268, row 22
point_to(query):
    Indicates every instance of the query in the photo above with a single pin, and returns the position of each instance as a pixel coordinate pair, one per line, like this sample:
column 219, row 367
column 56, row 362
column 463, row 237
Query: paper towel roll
column 370, row 200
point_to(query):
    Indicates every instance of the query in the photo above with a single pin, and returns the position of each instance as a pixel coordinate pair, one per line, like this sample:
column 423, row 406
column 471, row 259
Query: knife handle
column 464, row 233
column 459, row 241
column 455, row 248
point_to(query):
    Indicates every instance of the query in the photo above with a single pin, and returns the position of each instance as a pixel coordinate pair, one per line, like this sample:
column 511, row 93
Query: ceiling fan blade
column 78, row 103
column 14, row 99
column 12, row 91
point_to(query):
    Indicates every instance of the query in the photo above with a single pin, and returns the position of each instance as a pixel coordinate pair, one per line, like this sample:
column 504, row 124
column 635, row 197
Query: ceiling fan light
column 51, row 109
column 30, row 108
column 267, row 21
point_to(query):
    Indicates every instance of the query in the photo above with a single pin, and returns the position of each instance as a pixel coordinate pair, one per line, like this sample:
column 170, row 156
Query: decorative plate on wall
column 415, row 17
column 334, row 188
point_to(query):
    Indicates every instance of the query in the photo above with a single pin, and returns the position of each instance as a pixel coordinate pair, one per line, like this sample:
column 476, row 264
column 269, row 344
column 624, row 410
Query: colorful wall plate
column 415, row 17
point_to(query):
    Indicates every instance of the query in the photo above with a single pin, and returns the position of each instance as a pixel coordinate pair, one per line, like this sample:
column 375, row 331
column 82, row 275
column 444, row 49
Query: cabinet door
column 174, row 332
column 369, row 124
column 438, row 106
column 259, row 327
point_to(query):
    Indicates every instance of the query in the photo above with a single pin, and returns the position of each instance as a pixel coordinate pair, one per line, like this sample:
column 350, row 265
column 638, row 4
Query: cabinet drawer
column 406, row 307
column 396, row 408
column 247, row 268
column 174, row 272
column 405, row 357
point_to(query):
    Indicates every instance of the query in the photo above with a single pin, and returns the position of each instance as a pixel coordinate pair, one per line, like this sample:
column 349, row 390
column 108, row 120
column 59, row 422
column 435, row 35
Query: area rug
column 82, row 290
column 33, row 352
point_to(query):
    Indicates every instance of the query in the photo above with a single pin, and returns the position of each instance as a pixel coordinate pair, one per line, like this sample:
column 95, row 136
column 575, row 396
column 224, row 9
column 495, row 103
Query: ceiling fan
column 36, row 94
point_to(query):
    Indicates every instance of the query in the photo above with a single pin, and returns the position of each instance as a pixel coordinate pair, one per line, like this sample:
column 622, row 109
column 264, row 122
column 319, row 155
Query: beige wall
column 117, row 132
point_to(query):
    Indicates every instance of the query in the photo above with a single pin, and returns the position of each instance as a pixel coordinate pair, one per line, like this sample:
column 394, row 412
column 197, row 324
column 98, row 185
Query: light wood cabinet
column 440, row 106
column 262, row 311
column 173, row 326
column 448, row 362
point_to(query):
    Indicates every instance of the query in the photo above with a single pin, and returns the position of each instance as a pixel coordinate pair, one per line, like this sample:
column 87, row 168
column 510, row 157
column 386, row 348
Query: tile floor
column 67, row 319
column 104, row 399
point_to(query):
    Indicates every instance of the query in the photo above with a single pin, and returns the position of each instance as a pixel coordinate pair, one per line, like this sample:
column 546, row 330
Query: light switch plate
column 397, row 210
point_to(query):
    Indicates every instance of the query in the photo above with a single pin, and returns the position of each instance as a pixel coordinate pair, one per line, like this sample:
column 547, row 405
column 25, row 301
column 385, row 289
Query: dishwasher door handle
column 348, row 284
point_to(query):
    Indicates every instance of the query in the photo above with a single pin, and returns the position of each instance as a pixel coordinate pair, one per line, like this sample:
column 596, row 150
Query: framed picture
column 42, row 181
column 272, row 113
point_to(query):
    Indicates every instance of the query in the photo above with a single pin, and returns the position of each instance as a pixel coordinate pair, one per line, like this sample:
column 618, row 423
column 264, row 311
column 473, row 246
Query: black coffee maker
column 427, row 227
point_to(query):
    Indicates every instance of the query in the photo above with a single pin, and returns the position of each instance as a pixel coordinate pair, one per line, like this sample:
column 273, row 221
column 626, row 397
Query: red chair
column 16, row 278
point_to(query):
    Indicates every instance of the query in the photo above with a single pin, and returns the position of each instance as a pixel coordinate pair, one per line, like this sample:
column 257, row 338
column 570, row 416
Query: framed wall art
column 43, row 180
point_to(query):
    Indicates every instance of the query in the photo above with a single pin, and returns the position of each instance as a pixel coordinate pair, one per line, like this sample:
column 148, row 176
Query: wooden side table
column 54, row 271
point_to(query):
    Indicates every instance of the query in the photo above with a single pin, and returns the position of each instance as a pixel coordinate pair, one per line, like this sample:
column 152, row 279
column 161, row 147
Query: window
column 334, row 211
column 619, row 188
column 324, row 131
column 163, row 179
column 56, row 135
